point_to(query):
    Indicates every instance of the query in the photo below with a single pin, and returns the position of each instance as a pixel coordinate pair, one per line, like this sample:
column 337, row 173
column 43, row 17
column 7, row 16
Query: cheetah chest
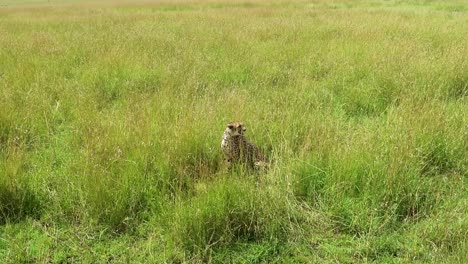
column 230, row 147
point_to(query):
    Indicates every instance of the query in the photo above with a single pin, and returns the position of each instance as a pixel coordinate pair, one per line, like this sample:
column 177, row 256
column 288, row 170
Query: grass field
column 111, row 117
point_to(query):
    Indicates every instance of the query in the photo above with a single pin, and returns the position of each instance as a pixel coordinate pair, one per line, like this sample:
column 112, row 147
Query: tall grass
column 112, row 115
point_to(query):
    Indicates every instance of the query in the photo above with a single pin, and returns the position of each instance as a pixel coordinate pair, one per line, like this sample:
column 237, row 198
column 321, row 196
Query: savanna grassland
column 111, row 117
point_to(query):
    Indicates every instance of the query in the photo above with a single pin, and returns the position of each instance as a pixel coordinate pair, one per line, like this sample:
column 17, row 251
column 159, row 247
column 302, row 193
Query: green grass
column 111, row 117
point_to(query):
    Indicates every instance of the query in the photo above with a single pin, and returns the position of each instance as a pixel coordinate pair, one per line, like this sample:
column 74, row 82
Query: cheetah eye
column 230, row 126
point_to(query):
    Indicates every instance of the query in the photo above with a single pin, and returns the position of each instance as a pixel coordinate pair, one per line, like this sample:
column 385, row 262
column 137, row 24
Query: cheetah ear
column 244, row 129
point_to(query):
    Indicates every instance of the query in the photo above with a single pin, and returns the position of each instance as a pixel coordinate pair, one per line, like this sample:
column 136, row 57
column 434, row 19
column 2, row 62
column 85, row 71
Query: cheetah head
column 235, row 129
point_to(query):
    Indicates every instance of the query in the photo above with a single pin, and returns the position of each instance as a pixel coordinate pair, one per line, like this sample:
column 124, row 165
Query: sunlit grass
column 111, row 116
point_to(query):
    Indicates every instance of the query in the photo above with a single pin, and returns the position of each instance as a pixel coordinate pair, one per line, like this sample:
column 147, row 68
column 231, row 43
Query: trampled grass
column 111, row 116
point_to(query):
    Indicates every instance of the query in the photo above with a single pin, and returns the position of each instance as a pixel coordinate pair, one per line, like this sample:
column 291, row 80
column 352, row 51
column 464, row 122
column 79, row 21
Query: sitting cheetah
column 237, row 148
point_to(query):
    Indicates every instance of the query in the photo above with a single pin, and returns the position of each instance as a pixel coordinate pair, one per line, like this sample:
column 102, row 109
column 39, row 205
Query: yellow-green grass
column 111, row 116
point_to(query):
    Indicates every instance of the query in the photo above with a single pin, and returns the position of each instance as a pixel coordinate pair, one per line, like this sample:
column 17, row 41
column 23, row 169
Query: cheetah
column 237, row 149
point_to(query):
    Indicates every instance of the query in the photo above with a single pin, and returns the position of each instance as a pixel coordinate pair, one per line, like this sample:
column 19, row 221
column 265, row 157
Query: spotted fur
column 237, row 149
